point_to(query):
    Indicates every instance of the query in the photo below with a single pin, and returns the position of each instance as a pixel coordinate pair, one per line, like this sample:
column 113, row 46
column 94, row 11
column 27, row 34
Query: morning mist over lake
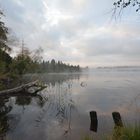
column 69, row 70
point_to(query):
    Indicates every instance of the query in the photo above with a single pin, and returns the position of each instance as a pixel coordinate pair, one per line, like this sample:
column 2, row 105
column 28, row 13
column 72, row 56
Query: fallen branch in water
column 24, row 89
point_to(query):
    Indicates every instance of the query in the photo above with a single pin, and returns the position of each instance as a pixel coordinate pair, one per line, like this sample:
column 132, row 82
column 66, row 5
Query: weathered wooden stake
column 117, row 119
column 94, row 121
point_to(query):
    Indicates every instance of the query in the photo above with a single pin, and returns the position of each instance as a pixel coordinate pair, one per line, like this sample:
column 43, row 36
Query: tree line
column 58, row 66
column 27, row 62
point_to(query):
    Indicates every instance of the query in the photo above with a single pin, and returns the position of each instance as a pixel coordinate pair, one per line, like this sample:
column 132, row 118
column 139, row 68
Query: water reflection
column 4, row 110
column 52, row 108
column 61, row 111
column 53, row 79
column 8, row 120
column 23, row 100
column 58, row 108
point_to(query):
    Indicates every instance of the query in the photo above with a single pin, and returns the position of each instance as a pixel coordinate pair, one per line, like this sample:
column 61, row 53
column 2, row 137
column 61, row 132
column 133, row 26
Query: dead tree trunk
column 22, row 89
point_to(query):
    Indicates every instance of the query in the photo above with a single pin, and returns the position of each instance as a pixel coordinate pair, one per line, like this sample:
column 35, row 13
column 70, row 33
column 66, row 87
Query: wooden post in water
column 94, row 121
column 117, row 119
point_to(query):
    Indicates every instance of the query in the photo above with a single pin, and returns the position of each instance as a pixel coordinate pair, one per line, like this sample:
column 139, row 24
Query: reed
column 121, row 133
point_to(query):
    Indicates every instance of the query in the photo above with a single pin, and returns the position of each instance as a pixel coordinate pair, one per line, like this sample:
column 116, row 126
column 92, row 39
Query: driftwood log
column 23, row 89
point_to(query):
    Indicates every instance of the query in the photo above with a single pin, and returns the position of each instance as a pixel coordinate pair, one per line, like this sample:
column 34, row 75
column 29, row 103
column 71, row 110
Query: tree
column 22, row 63
column 3, row 35
column 37, row 56
column 120, row 5
column 5, row 58
column 53, row 65
column 5, row 61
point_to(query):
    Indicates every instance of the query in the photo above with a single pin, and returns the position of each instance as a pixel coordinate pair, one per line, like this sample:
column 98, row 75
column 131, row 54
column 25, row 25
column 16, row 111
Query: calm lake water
column 61, row 112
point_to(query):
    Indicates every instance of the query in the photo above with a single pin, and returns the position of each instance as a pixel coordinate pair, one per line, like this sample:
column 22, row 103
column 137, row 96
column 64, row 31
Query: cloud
column 77, row 32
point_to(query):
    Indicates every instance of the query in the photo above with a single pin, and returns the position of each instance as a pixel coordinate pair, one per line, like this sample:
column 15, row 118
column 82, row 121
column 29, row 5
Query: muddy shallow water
column 63, row 111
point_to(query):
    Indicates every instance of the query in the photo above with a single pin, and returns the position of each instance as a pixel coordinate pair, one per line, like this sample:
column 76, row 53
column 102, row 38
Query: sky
column 76, row 31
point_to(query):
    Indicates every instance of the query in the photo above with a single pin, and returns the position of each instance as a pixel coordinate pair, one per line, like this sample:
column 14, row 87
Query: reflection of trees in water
column 61, row 78
column 59, row 105
column 23, row 100
column 52, row 79
column 27, row 100
column 65, row 106
column 5, row 108
column 41, row 101
column 64, row 103
column 9, row 121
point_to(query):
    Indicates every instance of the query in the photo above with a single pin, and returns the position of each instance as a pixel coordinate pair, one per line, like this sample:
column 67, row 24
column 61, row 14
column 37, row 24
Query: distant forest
column 53, row 66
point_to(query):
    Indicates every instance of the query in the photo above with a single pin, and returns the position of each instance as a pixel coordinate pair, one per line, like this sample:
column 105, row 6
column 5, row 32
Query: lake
column 61, row 111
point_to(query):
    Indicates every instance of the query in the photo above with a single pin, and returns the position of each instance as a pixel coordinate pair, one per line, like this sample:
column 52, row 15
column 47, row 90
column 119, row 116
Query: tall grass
column 87, row 138
column 122, row 133
column 130, row 133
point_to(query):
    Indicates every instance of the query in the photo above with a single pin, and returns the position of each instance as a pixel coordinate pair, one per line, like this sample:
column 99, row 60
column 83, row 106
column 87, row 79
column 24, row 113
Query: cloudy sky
column 76, row 31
